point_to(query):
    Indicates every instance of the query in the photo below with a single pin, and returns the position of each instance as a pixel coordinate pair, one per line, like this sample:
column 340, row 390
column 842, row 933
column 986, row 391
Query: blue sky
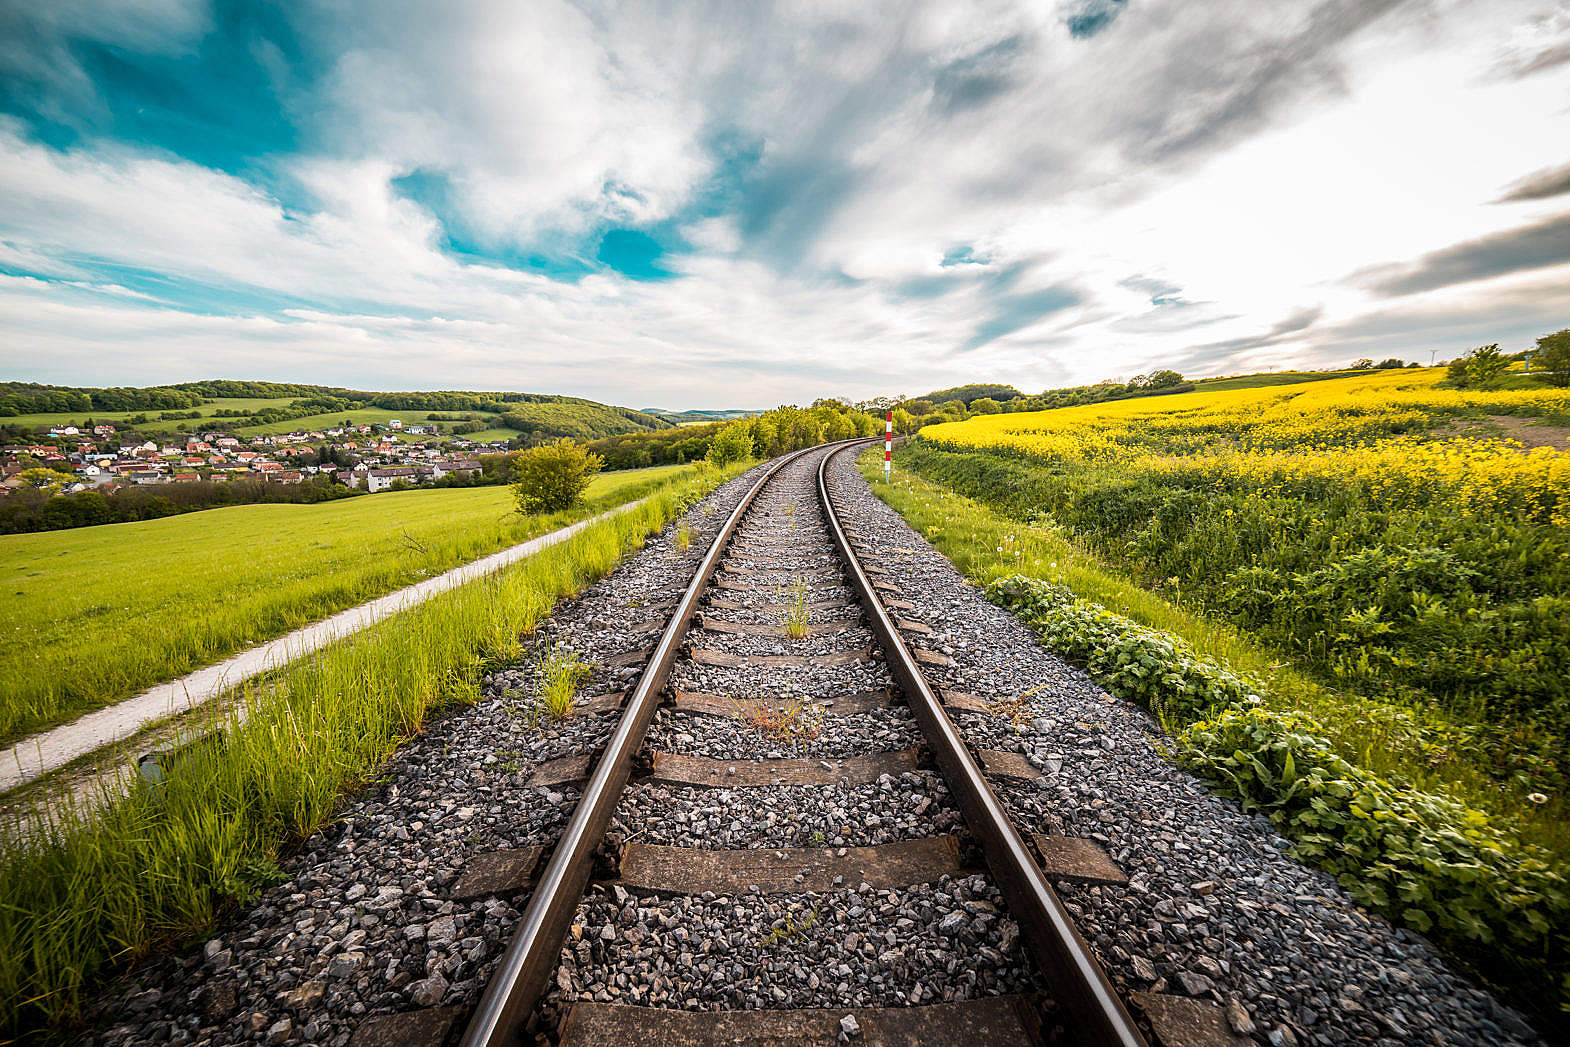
column 695, row 205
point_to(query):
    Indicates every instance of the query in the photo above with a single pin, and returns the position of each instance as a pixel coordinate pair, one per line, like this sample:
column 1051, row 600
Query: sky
column 690, row 205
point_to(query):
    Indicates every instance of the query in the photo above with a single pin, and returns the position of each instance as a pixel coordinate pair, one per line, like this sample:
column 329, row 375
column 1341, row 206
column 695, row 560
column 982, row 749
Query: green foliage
column 1423, row 860
column 538, row 422
column 975, row 391
column 984, row 405
column 1162, row 379
column 731, row 444
column 553, row 477
column 1472, row 611
column 1553, row 357
column 562, row 672
column 1484, row 368
column 1154, row 668
column 49, row 481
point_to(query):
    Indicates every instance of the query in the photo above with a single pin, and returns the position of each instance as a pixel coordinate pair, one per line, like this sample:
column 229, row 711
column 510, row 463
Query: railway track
column 784, row 640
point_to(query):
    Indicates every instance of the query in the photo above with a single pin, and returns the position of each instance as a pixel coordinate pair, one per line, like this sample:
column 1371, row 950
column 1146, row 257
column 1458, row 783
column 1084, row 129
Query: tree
column 731, row 444
column 1553, row 356
column 985, row 405
column 1364, row 364
column 1163, row 379
column 553, row 476
column 1486, row 365
column 1385, row 365
column 1457, row 373
column 49, row 481
column 905, row 422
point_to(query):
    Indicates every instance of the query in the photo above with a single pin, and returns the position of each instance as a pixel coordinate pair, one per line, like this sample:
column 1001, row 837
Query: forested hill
column 244, row 404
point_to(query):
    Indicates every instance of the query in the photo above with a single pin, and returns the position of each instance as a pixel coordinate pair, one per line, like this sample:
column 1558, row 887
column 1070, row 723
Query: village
column 369, row 457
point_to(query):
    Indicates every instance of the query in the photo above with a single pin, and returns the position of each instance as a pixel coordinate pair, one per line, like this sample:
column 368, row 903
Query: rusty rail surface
column 1073, row 975
column 536, row 945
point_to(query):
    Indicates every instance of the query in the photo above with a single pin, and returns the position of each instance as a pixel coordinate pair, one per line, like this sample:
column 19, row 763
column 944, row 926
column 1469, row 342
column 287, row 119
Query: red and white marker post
column 888, row 444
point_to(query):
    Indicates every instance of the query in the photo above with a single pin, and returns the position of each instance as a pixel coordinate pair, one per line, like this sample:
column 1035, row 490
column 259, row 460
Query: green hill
column 252, row 408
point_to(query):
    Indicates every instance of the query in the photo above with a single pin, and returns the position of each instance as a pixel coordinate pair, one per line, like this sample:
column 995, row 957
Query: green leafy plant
column 684, row 533
column 1424, row 860
column 797, row 614
column 562, row 672
column 553, row 476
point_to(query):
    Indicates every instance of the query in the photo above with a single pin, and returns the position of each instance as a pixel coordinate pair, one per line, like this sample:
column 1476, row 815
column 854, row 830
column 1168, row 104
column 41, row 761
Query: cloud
column 1539, row 185
column 1536, row 246
column 730, row 204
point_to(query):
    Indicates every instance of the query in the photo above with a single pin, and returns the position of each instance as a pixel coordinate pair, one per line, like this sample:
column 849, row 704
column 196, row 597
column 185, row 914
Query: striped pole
column 888, row 444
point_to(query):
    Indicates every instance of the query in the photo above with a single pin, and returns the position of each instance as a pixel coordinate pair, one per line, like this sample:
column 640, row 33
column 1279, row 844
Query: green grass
column 158, row 866
column 1389, row 739
column 96, row 614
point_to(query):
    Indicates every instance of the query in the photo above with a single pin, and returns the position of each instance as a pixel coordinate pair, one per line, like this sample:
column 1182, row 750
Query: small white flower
column 1537, row 798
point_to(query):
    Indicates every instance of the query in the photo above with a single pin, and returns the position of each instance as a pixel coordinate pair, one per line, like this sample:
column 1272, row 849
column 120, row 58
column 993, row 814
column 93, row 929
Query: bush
column 1425, row 861
column 553, row 476
column 731, row 444
column 1154, row 668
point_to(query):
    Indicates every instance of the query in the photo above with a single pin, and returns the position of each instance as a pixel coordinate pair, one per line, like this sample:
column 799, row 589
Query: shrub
column 1154, row 668
column 553, row 476
column 1425, row 861
column 731, row 444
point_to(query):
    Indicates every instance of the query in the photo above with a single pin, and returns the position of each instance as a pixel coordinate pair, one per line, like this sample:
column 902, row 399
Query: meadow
column 1348, row 602
column 96, row 614
column 157, row 866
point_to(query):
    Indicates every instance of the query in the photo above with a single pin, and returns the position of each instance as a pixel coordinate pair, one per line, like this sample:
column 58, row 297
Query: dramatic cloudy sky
column 739, row 204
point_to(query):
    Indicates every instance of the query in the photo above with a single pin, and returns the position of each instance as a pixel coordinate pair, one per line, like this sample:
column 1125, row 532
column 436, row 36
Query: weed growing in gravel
column 684, row 534
column 786, row 929
column 562, row 672
column 790, row 512
column 796, row 611
column 789, row 721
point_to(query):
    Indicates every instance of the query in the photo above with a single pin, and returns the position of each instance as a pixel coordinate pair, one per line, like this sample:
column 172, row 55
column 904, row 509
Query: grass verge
column 86, row 892
column 1353, row 783
column 97, row 614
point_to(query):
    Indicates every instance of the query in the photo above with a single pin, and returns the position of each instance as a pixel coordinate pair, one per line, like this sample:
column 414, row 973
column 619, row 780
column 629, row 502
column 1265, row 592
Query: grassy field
column 156, row 867
column 96, row 614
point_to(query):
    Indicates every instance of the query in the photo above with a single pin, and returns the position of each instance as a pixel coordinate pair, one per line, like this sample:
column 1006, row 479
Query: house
column 381, row 479
column 64, row 430
column 187, row 478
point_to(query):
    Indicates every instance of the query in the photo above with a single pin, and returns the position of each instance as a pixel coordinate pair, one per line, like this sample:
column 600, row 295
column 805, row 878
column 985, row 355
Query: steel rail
column 1074, row 976
column 535, row 947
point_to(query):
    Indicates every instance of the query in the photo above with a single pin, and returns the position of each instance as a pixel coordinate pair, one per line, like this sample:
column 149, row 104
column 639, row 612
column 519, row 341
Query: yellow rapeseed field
column 1375, row 433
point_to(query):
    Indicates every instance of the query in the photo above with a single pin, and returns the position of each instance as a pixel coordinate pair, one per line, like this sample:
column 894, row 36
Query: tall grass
column 85, row 891
column 97, row 614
